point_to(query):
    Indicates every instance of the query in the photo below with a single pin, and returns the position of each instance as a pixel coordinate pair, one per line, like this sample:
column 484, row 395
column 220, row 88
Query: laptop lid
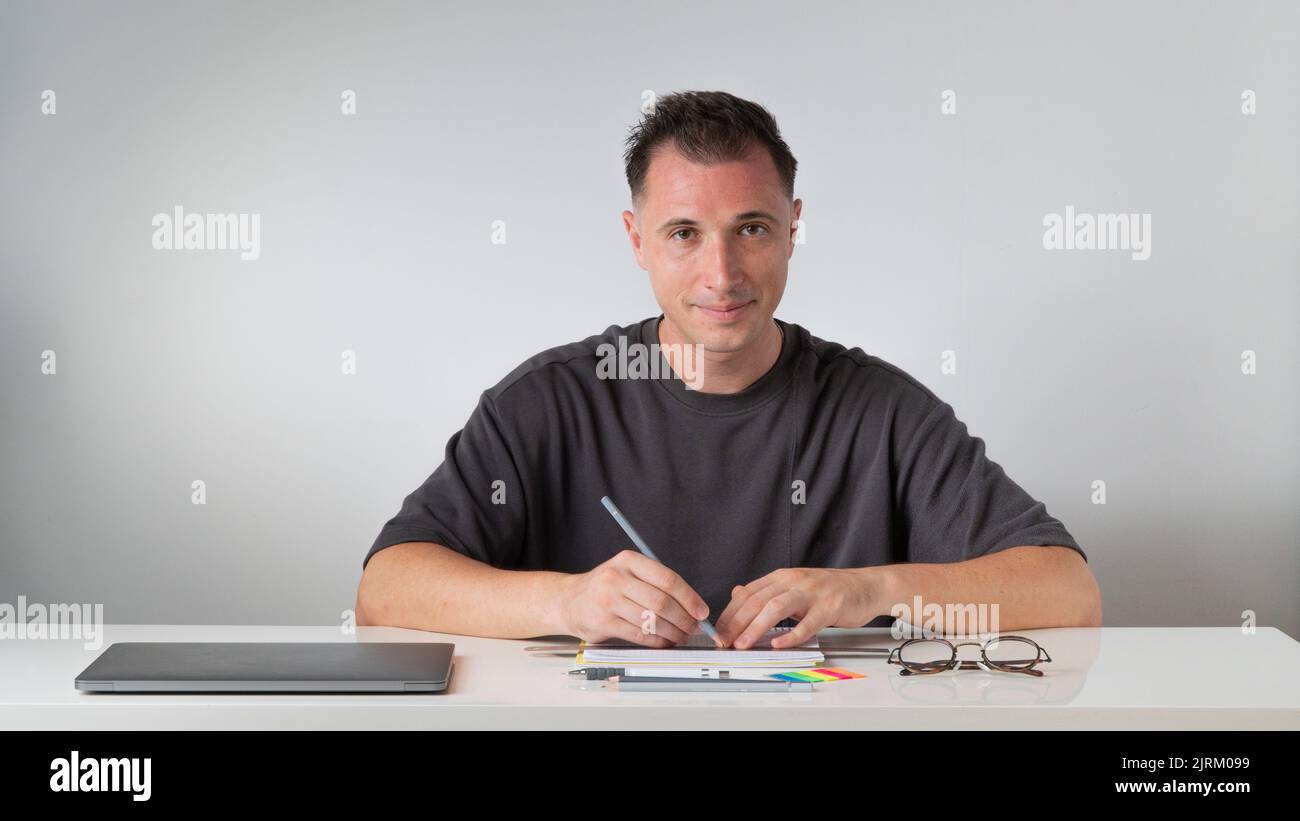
column 270, row 667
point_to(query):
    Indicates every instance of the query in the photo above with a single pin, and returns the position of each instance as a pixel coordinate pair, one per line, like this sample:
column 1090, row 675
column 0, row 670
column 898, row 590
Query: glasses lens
column 1012, row 653
column 925, row 655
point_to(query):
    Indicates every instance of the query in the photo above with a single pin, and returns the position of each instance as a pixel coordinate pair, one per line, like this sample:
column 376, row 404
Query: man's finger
column 626, row 626
column 809, row 626
column 750, row 609
column 744, row 604
column 778, row 607
column 739, row 595
column 673, row 621
column 663, row 577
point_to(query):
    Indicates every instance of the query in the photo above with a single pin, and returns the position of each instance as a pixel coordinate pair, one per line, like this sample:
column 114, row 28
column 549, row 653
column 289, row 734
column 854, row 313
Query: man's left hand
column 817, row 597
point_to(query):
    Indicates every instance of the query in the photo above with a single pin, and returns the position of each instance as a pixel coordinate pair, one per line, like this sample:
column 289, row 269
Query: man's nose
column 723, row 266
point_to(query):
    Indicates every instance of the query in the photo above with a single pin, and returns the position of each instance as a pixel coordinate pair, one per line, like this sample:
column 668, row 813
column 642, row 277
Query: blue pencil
column 645, row 549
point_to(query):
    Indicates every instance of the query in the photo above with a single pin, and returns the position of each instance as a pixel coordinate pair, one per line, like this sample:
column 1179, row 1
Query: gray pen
column 645, row 549
column 639, row 683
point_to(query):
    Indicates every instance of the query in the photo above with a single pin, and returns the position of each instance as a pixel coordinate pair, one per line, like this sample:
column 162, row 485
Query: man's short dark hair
column 707, row 127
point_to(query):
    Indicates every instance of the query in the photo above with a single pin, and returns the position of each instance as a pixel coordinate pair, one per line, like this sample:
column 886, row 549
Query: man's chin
column 719, row 337
column 724, row 340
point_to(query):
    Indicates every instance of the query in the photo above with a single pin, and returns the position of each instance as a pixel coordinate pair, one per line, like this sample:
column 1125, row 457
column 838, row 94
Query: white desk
column 1111, row 678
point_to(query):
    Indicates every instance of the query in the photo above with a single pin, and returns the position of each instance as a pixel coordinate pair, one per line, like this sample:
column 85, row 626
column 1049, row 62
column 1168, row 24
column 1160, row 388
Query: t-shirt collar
column 776, row 380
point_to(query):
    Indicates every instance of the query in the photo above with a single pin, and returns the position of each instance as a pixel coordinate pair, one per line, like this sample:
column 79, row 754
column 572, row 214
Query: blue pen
column 645, row 549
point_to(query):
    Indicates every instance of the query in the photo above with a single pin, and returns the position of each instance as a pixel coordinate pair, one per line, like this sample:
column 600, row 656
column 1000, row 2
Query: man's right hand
column 631, row 598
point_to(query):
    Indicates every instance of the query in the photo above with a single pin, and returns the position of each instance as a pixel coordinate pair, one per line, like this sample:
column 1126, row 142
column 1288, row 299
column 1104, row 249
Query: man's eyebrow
column 747, row 215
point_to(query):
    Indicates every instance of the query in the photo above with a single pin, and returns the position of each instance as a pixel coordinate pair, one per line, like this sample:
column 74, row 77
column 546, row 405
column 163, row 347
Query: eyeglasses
column 1008, row 654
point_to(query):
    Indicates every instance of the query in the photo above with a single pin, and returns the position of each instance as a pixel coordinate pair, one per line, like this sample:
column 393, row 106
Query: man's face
column 716, row 241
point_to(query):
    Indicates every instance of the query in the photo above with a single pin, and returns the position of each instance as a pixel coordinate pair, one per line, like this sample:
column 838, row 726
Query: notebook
column 699, row 649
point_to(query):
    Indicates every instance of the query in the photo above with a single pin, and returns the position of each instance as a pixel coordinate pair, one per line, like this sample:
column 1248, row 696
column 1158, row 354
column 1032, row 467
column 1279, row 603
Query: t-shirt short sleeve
column 959, row 504
column 472, row 503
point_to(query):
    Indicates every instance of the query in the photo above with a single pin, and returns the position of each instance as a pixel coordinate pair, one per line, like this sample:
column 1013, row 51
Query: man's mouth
column 725, row 313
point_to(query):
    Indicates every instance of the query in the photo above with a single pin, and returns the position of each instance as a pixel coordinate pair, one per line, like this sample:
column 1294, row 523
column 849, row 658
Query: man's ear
column 794, row 225
column 633, row 234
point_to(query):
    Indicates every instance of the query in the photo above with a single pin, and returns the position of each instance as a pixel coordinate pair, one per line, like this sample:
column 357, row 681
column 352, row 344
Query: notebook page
column 700, row 648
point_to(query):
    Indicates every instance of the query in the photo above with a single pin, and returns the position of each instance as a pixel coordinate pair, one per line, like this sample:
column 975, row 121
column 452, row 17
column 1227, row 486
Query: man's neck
column 726, row 371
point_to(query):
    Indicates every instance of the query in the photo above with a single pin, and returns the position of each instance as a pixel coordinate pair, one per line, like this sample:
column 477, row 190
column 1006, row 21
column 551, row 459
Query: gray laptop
column 270, row 667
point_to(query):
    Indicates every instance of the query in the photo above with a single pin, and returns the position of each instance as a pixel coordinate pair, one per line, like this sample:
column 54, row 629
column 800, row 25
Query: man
column 779, row 478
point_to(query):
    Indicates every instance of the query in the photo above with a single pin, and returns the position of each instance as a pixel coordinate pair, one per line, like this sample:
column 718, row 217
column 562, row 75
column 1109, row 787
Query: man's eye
column 762, row 229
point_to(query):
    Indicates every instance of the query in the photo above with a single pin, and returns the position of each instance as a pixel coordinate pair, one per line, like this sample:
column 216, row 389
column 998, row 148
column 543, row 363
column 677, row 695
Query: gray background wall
column 924, row 235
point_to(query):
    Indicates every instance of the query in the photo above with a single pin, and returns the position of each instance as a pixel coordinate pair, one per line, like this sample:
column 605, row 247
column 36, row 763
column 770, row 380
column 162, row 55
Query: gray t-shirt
column 833, row 458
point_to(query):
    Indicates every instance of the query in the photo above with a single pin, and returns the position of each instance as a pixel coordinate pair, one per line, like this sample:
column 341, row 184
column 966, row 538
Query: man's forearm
column 428, row 586
column 1032, row 586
